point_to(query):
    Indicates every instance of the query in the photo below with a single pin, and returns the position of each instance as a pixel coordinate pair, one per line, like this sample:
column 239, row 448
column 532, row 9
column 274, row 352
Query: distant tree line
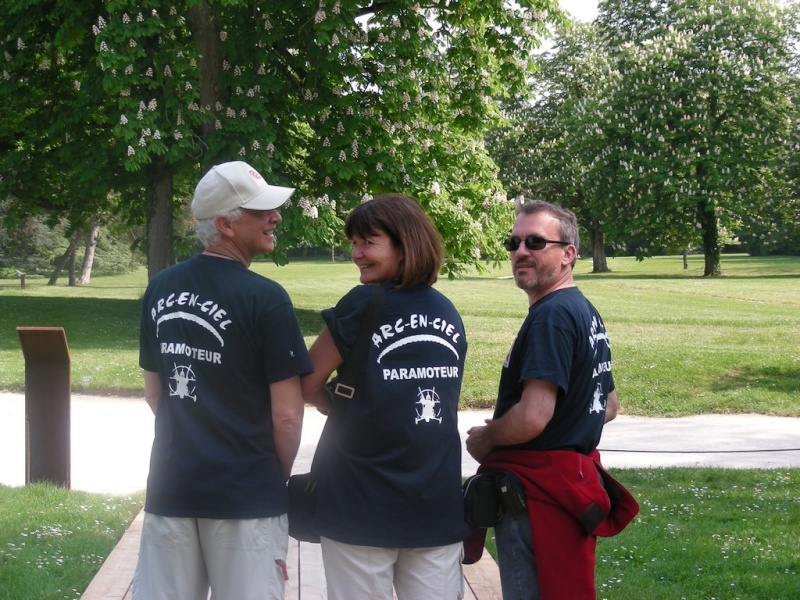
column 668, row 126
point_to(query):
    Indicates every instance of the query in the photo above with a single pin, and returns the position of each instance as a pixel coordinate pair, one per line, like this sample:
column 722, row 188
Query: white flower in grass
column 125, row 18
column 131, row 151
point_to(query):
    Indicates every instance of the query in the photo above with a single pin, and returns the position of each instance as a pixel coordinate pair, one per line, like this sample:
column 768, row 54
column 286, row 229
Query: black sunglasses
column 532, row 242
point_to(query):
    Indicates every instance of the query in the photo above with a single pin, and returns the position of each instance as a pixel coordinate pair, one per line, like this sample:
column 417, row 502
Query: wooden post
column 47, row 404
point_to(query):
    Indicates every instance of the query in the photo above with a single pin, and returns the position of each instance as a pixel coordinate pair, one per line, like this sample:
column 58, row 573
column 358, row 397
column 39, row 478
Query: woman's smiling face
column 376, row 257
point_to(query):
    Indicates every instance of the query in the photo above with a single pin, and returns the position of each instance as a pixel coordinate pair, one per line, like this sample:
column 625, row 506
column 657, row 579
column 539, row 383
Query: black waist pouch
column 488, row 497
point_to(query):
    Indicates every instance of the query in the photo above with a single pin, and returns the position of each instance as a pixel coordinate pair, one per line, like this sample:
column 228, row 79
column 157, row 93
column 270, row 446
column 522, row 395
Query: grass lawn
column 682, row 345
column 53, row 541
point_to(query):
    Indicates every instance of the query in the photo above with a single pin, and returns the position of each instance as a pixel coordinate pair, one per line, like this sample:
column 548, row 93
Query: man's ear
column 570, row 254
column 224, row 227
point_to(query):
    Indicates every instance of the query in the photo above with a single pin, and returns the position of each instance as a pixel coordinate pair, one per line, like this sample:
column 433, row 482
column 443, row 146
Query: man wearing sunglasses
column 556, row 393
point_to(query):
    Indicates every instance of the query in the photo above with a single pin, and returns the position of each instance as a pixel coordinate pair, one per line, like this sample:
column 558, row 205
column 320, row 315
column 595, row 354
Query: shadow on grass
column 87, row 322
column 774, row 379
column 93, row 322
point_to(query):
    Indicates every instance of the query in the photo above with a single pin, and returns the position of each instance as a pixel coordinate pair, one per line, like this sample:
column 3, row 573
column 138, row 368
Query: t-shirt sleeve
column 344, row 320
column 284, row 348
column 146, row 359
column 549, row 358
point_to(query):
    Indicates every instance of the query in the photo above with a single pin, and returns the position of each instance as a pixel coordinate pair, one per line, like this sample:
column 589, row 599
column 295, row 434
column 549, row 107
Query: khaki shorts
column 180, row 559
column 367, row 573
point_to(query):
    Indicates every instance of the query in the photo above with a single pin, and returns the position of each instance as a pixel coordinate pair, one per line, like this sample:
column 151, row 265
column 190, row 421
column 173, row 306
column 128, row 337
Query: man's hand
column 479, row 442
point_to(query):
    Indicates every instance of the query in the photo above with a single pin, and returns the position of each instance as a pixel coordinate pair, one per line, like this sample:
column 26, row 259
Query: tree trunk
column 206, row 30
column 160, row 250
column 685, row 260
column 599, row 262
column 63, row 260
column 88, row 256
column 707, row 217
column 71, row 270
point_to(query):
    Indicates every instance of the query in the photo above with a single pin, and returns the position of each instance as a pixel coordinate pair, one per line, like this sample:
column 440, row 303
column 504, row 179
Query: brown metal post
column 47, row 404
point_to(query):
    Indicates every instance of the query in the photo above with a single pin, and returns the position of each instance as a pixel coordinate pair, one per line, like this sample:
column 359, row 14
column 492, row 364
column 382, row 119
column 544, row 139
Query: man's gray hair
column 568, row 222
column 206, row 229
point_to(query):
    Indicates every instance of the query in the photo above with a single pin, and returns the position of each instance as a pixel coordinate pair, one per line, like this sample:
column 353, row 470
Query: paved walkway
column 111, row 440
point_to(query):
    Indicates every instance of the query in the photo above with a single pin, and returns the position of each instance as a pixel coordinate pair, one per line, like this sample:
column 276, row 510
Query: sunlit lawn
column 52, row 541
column 682, row 344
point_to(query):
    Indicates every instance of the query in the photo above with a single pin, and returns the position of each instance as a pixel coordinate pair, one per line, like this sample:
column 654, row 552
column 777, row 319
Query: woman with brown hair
column 390, row 510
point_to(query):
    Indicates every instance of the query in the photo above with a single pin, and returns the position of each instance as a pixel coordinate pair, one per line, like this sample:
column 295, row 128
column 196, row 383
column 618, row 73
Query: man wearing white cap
column 222, row 354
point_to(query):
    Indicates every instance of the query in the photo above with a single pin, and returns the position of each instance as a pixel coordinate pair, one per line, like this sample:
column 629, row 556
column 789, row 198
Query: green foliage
column 665, row 122
column 702, row 105
column 32, row 246
column 342, row 99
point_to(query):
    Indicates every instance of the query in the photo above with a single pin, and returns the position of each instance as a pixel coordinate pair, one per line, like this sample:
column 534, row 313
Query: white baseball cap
column 235, row 185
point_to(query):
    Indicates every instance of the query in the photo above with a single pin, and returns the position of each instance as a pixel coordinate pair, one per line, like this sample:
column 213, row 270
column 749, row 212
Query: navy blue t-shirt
column 393, row 477
column 217, row 334
column 562, row 341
